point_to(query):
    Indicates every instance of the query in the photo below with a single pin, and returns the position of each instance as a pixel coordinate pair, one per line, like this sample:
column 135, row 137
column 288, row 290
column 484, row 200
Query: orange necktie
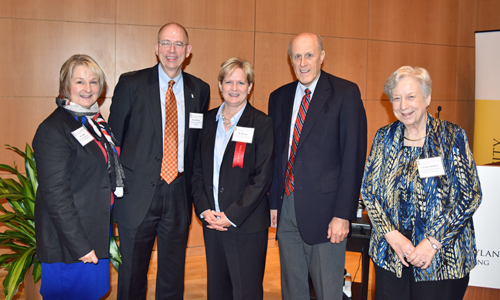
column 169, row 165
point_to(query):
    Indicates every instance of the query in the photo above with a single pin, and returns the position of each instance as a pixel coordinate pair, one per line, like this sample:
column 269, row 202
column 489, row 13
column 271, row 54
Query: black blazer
column 330, row 155
column 72, row 208
column 135, row 118
column 242, row 192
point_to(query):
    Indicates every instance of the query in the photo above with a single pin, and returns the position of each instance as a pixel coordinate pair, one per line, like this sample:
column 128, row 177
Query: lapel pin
column 192, row 96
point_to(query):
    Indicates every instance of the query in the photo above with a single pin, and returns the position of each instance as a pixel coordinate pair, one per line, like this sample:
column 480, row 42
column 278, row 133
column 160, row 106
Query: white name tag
column 195, row 120
column 82, row 136
column 243, row 134
column 430, row 167
column 118, row 192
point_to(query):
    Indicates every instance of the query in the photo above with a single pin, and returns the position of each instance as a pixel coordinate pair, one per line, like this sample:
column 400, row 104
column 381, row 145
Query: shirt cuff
column 201, row 215
column 234, row 225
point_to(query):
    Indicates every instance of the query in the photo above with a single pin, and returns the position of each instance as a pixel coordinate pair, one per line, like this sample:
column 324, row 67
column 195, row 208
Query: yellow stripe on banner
column 487, row 131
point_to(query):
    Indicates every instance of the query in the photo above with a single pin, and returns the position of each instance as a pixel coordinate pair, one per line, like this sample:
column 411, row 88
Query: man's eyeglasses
column 168, row 44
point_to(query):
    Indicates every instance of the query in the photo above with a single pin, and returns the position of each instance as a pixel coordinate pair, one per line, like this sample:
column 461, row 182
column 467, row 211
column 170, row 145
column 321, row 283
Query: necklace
column 416, row 139
column 227, row 122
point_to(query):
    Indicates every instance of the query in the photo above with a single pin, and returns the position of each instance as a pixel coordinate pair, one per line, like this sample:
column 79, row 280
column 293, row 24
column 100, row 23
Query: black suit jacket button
column 157, row 158
column 221, row 190
column 152, row 184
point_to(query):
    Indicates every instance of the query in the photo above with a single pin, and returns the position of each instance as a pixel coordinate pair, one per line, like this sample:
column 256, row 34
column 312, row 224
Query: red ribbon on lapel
column 239, row 154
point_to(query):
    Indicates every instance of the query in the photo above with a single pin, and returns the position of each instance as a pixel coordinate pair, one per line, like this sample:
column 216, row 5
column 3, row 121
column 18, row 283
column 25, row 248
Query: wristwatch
column 433, row 245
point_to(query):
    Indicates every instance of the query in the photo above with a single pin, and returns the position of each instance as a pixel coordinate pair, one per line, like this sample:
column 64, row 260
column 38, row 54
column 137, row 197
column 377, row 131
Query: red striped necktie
column 299, row 122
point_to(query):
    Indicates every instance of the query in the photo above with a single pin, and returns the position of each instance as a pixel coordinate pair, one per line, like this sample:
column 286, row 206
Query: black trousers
column 235, row 264
column 166, row 220
column 389, row 287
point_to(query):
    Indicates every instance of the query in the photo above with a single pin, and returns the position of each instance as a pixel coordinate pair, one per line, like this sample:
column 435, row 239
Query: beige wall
column 365, row 41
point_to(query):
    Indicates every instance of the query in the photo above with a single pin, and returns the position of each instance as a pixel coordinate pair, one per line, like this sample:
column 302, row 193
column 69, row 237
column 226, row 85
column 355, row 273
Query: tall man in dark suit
column 320, row 138
column 156, row 115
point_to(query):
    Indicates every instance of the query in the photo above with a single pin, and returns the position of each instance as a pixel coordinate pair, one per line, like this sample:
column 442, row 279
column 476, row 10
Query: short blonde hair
column 227, row 68
column 421, row 75
column 68, row 68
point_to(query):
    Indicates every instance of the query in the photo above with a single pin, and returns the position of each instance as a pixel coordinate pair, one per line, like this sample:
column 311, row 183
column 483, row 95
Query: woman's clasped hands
column 216, row 220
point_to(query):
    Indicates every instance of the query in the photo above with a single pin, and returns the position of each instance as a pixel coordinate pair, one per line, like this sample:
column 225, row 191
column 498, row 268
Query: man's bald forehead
column 173, row 24
column 318, row 38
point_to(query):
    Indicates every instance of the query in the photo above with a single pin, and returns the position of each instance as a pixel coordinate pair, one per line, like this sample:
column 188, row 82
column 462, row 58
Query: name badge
column 243, row 134
column 430, row 167
column 82, row 136
column 118, row 192
column 195, row 120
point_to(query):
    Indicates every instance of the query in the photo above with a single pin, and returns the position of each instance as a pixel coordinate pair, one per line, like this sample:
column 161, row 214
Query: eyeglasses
column 168, row 44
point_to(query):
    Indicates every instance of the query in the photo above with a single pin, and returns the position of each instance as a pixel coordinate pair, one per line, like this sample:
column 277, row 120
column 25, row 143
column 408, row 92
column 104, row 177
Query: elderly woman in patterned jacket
column 420, row 189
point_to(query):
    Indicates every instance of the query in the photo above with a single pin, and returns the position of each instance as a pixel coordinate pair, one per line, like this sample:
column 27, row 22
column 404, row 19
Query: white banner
column 487, row 104
column 487, row 65
column 486, row 224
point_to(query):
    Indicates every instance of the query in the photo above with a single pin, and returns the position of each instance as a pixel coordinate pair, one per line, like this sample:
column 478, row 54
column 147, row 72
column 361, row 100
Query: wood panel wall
column 365, row 41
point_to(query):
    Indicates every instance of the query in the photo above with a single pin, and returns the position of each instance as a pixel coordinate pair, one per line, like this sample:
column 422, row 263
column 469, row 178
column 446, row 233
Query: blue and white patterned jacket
column 443, row 205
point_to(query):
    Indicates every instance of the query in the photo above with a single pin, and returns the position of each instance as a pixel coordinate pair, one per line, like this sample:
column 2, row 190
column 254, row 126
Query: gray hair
column 421, row 75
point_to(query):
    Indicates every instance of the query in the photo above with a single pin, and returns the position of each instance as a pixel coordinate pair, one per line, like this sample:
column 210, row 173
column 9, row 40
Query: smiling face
column 84, row 87
column 306, row 58
column 172, row 57
column 409, row 105
column 235, row 88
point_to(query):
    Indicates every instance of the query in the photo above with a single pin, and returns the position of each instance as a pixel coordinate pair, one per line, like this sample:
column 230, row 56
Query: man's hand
column 338, row 229
column 274, row 218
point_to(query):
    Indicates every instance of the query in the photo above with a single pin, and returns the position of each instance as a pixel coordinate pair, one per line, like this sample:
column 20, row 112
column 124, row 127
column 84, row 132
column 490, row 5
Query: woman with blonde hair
column 233, row 171
column 79, row 176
